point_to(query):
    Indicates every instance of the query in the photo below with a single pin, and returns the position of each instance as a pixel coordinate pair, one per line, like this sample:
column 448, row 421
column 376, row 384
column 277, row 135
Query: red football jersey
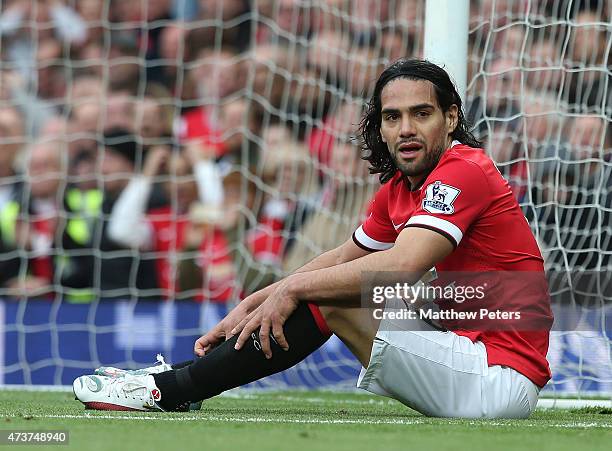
column 467, row 200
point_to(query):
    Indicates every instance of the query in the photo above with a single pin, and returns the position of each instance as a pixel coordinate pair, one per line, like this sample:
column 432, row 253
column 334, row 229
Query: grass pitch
column 298, row 421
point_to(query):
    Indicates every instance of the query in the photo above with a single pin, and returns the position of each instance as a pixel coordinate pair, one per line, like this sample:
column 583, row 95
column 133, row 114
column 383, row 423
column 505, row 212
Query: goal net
column 162, row 159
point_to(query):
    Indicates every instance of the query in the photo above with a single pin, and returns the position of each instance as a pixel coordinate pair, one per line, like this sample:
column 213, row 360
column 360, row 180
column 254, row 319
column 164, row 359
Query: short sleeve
column 376, row 233
column 453, row 197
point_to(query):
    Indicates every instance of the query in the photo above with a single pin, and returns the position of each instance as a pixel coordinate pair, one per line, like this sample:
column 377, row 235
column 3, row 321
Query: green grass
column 298, row 421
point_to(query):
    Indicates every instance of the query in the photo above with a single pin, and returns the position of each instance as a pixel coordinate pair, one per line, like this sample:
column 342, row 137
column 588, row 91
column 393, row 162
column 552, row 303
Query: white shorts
column 442, row 374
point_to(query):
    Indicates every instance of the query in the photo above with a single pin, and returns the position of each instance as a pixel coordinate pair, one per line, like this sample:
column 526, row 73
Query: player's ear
column 452, row 118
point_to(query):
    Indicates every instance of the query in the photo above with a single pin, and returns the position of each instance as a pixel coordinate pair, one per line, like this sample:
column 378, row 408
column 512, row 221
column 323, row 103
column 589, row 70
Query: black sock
column 225, row 368
column 176, row 366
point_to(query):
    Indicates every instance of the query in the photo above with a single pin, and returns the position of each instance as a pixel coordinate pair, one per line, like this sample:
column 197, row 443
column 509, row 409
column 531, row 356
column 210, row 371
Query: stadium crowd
column 184, row 149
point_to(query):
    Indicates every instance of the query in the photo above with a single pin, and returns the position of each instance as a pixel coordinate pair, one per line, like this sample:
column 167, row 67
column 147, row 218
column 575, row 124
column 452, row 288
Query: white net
column 231, row 162
column 539, row 93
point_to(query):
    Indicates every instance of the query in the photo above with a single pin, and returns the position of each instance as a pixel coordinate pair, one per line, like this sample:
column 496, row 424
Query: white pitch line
column 547, row 403
column 236, row 420
column 405, row 421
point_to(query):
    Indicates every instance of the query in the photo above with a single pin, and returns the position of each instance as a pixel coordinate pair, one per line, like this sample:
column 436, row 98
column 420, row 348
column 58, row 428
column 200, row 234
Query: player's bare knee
column 332, row 315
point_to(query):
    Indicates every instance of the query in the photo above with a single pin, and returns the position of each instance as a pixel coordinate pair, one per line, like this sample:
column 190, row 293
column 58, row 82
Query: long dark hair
column 375, row 150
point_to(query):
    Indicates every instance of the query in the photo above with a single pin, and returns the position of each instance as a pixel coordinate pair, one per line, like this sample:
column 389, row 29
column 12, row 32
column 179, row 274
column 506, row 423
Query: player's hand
column 223, row 330
column 269, row 318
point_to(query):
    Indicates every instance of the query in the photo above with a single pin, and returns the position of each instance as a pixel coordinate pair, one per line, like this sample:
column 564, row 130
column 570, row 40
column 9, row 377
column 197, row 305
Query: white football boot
column 110, row 371
column 117, row 393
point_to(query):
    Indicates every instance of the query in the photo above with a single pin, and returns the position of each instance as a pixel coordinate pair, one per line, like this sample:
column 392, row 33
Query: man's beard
column 425, row 166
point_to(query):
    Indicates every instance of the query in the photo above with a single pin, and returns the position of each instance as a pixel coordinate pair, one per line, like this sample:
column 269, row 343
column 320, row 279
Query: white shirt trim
column 437, row 223
column 370, row 243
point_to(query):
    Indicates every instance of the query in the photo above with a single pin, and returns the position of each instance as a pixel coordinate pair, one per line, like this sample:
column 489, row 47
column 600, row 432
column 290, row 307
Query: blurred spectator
column 510, row 42
column 588, row 55
column 271, row 63
column 56, row 128
column 12, row 141
column 190, row 179
column 155, row 14
column 240, row 121
column 92, row 13
column 227, row 267
column 216, row 75
column 236, row 12
column 15, row 91
column 588, row 40
column 542, row 120
column 503, row 88
column 506, row 148
column 499, row 96
column 344, row 202
column 544, row 54
column 328, row 54
column 293, row 193
column 364, row 65
column 293, row 18
column 345, row 191
column 48, row 225
column 239, row 223
column 87, row 88
column 321, row 139
column 219, row 73
column 124, row 69
column 366, row 16
column 123, row 272
column 92, row 58
column 50, row 82
column 173, row 53
column 29, row 229
column 154, row 114
column 397, row 42
column 410, row 14
column 26, row 24
column 83, row 170
column 116, row 60
column 576, row 198
column 519, row 145
column 491, row 15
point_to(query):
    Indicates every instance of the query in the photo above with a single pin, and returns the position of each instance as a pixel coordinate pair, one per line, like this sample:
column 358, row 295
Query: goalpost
column 536, row 82
column 446, row 38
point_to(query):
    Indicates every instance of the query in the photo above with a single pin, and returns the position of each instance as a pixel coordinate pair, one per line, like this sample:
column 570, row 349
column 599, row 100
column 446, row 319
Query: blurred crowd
column 199, row 149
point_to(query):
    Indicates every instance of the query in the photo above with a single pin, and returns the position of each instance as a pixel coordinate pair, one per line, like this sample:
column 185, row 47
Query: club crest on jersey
column 439, row 198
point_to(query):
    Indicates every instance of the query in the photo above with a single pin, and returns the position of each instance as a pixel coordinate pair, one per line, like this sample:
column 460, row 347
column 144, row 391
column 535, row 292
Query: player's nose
column 407, row 128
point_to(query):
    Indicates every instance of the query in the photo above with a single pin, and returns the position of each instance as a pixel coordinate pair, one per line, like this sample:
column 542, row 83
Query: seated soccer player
column 442, row 205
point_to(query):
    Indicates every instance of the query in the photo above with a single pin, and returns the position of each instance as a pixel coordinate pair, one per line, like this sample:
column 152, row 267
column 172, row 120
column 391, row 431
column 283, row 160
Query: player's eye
column 423, row 113
column 391, row 117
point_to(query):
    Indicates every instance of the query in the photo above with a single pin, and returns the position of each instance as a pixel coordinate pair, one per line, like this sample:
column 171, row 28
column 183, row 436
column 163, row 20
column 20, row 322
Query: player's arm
column 415, row 252
column 346, row 252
